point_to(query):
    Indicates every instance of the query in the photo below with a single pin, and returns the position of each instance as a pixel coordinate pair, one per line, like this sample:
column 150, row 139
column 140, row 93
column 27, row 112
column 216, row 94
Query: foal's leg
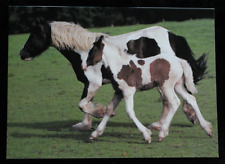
column 187, row 109
column 157, row 125
column 174, row 103
column 189, row 112
column 192, row 102
column 130, row 111
column 109, row 110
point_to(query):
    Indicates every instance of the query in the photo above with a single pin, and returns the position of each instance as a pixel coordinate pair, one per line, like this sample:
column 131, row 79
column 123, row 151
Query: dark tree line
column 22, row 19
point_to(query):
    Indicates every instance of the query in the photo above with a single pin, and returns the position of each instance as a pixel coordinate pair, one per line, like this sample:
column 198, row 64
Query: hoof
column 193, row 119
column 147, row 135
column 155, row 126
column 148, row 141
column 81, row 127
column 99, row 111
column 162, row 135
column 92, row 138
column 208, row 130
column 113, row 114
column 210, row 135
column 160, row 139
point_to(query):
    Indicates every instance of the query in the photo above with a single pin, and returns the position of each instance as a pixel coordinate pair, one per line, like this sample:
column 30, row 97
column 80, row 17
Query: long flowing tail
column 188, row 77
column 182, row 50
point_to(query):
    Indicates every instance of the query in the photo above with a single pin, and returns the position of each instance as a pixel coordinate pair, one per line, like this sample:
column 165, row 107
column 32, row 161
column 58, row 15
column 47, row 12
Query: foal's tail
column 188, row 77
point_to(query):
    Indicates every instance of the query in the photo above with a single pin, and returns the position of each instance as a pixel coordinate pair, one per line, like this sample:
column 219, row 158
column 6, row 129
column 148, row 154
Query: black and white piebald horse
column 132, row 74
column 73, row 42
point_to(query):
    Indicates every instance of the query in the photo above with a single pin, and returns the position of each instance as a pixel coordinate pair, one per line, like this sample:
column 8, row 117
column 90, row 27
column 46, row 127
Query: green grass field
column 43, row 97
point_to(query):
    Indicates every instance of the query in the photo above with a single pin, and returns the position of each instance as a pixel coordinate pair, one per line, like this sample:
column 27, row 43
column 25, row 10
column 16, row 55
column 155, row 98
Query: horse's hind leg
column 192, row 102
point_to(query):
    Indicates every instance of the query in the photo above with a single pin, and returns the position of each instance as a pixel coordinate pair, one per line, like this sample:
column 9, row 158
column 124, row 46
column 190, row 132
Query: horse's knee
column 85, row 105
column 82, row 104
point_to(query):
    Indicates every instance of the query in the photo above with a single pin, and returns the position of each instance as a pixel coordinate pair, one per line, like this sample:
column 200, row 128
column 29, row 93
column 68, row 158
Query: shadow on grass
column 67, row 124
column 64, row 130
column 60, row 125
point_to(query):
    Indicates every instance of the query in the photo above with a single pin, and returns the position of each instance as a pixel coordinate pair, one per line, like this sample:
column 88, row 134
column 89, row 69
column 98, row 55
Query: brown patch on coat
column 96, row 52
column 159, row 70
column 141, row 62
column 98, row 56
column 131, row 74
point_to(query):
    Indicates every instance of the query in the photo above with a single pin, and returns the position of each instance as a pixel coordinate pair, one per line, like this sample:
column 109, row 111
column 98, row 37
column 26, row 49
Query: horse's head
column 38, row 41
column 95, row 53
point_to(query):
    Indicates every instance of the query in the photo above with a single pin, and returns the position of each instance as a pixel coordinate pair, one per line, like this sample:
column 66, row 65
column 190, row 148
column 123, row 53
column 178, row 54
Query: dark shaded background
column 22, row 19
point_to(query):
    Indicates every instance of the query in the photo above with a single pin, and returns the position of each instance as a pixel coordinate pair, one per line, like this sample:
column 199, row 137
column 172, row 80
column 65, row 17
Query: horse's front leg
column 87, row 106
column 87, row 121
column 85, row 125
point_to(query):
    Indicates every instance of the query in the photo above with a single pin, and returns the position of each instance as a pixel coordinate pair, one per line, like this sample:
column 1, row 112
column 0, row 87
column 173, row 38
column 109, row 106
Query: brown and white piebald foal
column 132, row 74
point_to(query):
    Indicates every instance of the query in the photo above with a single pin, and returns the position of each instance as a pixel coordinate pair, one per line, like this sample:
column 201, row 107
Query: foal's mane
column 67, row 35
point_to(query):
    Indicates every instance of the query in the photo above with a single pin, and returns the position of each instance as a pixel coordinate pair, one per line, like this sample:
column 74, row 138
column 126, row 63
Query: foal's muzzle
column 84, row 67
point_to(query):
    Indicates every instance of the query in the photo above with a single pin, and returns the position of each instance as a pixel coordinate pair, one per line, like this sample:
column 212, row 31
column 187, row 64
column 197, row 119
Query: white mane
column 71, row 36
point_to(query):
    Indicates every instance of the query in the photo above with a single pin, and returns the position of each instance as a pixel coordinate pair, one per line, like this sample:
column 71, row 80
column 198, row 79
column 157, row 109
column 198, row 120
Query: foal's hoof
column 208, row 129
column 210, row 135
column 155, row 126
column 113, row 114
column 148, row 141
column 147, row 135
column 162, row 135
column 99, row 111
column 160, row 139
column 193, row 119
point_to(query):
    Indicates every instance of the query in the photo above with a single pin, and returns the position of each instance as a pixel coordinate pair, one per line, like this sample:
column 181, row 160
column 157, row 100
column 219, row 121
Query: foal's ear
column 98, row 40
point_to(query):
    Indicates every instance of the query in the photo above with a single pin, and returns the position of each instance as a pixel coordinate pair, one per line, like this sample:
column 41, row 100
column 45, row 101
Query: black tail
column 182, row 50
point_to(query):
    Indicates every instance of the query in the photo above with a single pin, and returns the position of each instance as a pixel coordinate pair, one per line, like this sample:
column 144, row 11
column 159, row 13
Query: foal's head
column 38, row 41
column 95, row 53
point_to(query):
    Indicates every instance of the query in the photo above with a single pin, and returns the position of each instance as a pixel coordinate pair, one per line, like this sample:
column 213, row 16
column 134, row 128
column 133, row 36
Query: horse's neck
column 71, row 36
